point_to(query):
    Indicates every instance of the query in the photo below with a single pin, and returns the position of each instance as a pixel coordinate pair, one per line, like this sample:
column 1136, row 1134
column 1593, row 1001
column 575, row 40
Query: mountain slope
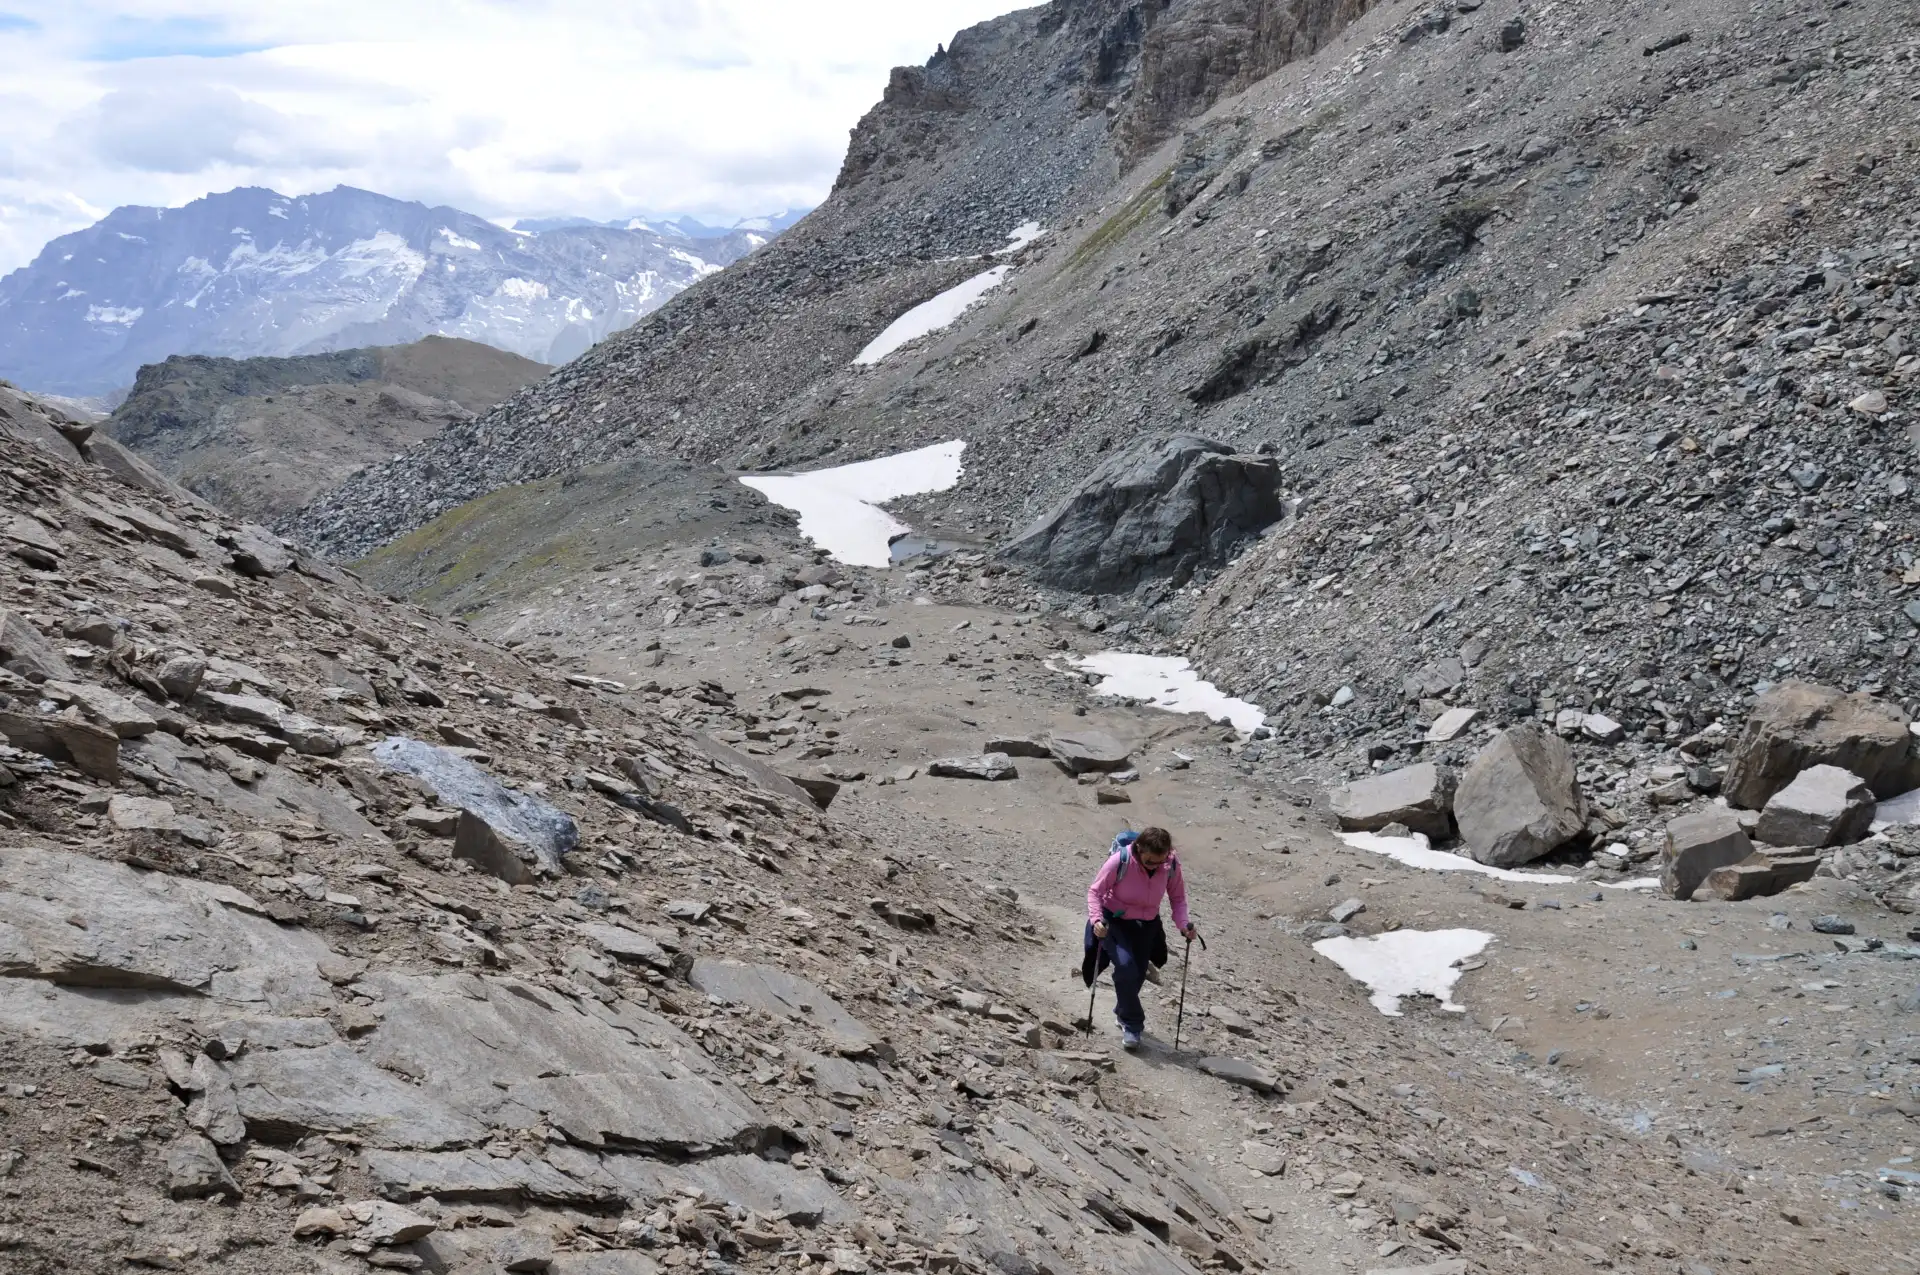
column 1029, row 118
column 251, row 272
column 261, row 437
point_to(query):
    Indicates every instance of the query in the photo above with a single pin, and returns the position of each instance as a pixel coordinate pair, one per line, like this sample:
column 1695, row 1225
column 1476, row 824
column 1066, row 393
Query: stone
column 901, row 642
column 1020, row 747
column 1084, row 752
column 1696, row 845
column 819, row 790
column 1832, row 925
column 1112, row 797
column 471, row 1176
column 989, row 766
column 625, row 945
column 1341, row 913
column 195, row 1170
column 1447, row 727
column 219, row 586
column 1535, row 149
column 1519, row 800
column 1420, row 797
column 1452, row 1266
column 1162, row 508
column 287, row 1094
column 1797, row 725
column 140, row 814
column 257, row 552
column 24, row 648
column 516, row 837
column 434, row 823
column 92, row 750
column 522, row 1251
column 116, row 712
column 1513, row 34
column 180, row 676
column 385, row 1223
column 799, row 1196
column 1602, row 729
column 611, row 1262
column 1872, row 404
column 306, row 736
column 1263, row 1158
column 1237, row 1071
column 321, row 1223
column 1823, row 806
column 1763, row 874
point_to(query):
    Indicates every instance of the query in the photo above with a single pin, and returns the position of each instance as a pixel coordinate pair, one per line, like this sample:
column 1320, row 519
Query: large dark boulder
column 1159, row 510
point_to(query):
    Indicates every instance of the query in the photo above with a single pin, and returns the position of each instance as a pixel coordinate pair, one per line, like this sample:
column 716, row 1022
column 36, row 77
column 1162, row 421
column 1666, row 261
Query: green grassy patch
column 1121, row 224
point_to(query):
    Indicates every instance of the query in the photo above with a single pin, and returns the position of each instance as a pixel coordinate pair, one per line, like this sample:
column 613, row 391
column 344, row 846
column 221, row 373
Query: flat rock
column 1696, row 845
column 1083, row 752
column 1760, row 875
column 626, row 945
column 1823, row 806
column 1797, row 725
column 819, row 790
column 799, row 1196
column 503, row 1051
column 774, row 991
column 1448, row 726
column 477, row 1177
column 1452, row 1266
column 24, row 646
column 146, row 931
column 516, row 837
column 990, row 766
column 1520, row 799
column 1237, row 1071
column 1418, row 796
column 287, row 1094
column 302, row 732
column 612, row 1262
column 115, row 712
column 1263, row 1158
column 1020, row 747
column 384, row 1223
column 257, row 552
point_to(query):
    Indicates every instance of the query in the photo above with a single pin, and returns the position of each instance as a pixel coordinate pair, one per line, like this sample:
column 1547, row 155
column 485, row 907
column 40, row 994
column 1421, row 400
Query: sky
column 719, row 109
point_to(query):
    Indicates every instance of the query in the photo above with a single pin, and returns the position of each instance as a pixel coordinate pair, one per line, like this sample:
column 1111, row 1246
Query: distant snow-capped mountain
column 691, row 227
column 251, row 272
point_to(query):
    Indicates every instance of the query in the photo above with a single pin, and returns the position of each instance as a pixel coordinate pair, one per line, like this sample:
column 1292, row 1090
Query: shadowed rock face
column 1161, row 510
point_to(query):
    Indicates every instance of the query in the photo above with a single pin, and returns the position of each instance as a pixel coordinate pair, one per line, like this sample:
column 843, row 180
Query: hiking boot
column 1129, row 1038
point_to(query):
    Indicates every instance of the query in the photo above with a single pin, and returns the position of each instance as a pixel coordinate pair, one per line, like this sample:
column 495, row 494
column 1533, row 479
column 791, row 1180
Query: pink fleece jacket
column 1137, row 895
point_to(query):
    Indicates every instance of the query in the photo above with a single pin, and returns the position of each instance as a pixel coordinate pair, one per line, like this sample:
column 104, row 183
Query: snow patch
column 1406, row 963
column 700, row 267
column 1417, row 852
column 522, row 290
column 129, row 238
column 456, row 241
column 1020, row 236
column 1638, row 883
column 1168, row 682
column 114, row 316
column 840, row 508
column 931, row 316
column 1898, row 811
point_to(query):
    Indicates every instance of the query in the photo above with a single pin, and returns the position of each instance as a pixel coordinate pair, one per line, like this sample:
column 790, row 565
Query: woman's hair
column 1154, row 841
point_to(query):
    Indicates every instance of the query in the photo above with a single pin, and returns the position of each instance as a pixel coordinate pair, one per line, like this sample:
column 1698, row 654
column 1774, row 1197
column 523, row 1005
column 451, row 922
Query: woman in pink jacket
column 1123, row 918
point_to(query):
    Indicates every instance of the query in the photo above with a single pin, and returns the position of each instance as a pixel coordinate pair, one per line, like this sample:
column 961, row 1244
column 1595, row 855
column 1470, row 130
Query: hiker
column 1123, row 918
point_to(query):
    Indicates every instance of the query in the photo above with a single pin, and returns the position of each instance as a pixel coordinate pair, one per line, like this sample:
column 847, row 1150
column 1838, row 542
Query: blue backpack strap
column 1123, row 846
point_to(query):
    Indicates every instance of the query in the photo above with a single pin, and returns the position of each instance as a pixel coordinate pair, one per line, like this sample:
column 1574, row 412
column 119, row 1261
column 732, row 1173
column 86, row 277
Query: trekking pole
column 1185, row 959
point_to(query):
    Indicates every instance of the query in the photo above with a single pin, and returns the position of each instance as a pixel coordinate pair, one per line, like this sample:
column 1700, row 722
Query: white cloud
column 601, row 108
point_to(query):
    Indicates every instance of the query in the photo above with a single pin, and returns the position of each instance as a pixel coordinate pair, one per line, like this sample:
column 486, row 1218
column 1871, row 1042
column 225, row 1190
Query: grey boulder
column 516, row 837
column 195, row 1170
column 1160, row 509
column 1797, row 725
column 1419, row 796
column 25, row 649
column 1764, row 873
column 1085, row 751
column 1823, row 806
column 1520, row 799
column 986, row 766
column 1696, row 845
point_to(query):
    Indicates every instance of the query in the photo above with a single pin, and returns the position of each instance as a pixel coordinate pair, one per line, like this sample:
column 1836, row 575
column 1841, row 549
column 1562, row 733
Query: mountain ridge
column 251, row 272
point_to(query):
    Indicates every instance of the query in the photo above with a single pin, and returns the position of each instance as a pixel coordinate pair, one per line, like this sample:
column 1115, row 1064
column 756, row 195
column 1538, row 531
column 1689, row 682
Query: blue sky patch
column 131, row 39
column 15, row 22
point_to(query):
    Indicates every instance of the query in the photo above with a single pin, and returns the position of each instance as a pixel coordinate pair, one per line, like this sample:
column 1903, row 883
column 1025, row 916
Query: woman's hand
column 1192, row 932
column 1099, row 929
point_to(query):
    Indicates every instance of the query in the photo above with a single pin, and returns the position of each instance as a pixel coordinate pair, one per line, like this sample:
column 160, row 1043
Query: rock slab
column 990, row 766
column 1086, row 751
column 516, row 837
column 1419, row 796
column 1520, row 799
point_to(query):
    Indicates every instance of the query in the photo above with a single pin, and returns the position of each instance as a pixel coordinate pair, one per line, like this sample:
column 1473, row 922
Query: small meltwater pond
column 840, row 510
column 1169, row 683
